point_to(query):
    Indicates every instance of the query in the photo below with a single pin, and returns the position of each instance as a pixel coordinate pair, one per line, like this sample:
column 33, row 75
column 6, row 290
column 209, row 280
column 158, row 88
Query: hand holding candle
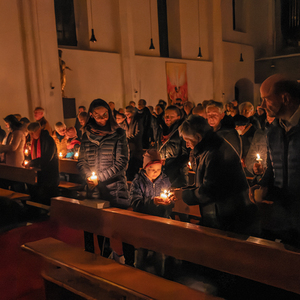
column 60, row 155
column 258, row 167
column 163, row 199
column 92, row 180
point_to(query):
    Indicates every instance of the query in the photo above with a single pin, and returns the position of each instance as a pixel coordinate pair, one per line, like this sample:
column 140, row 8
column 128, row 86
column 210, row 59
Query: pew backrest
column 249, row 257
column 28, row 176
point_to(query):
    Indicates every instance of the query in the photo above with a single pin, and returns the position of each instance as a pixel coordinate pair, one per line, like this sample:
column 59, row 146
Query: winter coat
column 14, row 148
column 143, row 190
column 144, row 117
column 107, row 156
column 228, row 132
column 176, row 157
column 48, row 162
column 283, row 165
column 221, row 188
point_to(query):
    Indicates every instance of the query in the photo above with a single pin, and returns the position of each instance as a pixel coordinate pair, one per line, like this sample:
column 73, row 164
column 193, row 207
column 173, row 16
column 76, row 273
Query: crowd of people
column 245, row 160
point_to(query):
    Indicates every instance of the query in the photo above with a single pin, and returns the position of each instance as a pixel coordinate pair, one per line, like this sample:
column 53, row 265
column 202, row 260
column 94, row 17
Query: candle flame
column 25, row 162
column 257, row 156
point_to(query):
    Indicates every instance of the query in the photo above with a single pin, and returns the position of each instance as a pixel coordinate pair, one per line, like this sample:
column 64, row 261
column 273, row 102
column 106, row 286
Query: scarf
column 35, row 149
column 99, row 130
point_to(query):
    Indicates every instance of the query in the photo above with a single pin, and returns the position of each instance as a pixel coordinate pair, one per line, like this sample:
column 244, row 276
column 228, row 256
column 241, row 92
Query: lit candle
column 25, row 162
column 94, row 178
column 190, row 165
column 258, row 159
column 26, row 152
column 76, row 155
column 60, row 155
column 165, row 194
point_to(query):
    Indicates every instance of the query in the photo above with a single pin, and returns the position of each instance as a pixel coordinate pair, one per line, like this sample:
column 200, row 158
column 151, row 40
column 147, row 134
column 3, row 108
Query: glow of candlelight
column 76, row 154
column 25, row 162
column 60, row 155
column 165, row 194
column 190, row 164
column 94, row 178
column 26, row 152
column 258, row 157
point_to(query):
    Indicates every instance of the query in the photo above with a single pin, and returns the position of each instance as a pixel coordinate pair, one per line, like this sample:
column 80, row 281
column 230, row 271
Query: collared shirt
column 291, row 122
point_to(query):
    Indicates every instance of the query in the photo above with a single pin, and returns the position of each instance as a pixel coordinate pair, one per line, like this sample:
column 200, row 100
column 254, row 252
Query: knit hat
column 151, row 157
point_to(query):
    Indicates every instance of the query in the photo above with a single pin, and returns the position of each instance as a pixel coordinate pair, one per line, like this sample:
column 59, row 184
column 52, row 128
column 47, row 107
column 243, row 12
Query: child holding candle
column 150, row 194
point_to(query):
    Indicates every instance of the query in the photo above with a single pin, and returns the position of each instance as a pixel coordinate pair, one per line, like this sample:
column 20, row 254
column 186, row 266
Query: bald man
column 280, row 185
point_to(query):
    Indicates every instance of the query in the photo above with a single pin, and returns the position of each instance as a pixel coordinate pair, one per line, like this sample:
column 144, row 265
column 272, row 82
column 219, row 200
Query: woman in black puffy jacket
column 104, row 151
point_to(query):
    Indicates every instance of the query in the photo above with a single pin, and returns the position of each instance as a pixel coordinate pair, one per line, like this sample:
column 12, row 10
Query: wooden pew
column 92, row 276
column 253, row 258
column 18, row 174
column 29, row 176
column 68, row 166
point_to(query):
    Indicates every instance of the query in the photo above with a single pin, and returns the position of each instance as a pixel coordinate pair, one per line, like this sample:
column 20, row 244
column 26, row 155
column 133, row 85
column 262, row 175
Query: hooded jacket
column 107, row 156
column 221, row 188
column 143, row 190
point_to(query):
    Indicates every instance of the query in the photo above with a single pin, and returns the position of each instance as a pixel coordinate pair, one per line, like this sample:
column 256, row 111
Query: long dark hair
column 13, row 122
column 97, row 103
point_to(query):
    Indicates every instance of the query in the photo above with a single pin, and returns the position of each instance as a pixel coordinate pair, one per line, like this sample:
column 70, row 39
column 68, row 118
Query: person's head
column 25, row 122
column 34, row 130
column 71, row 132
column 259, row 110
column 121, row 110
column 193, row 129
column 129, row 112
column 188, row 107
column 172, row 115
column 81, row 108
column 111, row 105
column 100, row 115
column 38, row 113
column 200, row 111
column 279, row 95
column 60, row 128
column 152, row 164
column 241, row 122
column 214, row 113
column 141, row 104
column 12, row 123
column 159, row 109
column 235, row 103
column 246, row 109
column 82, row 117
column 205, row 102
column 132, row 103
column 120, row 117
column 163, row 103
column 18, row 116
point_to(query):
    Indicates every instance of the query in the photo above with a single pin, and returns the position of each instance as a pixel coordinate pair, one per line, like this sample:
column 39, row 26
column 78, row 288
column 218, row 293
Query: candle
column 26, row 152
column 94, row 178
column 60, row 155
column 190, row 165
column 25, row 162
column 165, row 194
column 76, row 155
column 258, row 159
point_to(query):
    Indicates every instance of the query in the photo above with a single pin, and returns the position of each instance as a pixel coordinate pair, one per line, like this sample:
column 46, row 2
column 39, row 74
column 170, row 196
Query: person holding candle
column 13, row 150
column 149, row 194
column 280, row 181
column 221, row 188
column 104, row 151
column 61, row 139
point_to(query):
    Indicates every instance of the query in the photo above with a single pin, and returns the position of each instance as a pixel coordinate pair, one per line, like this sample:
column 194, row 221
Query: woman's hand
column 91, row 183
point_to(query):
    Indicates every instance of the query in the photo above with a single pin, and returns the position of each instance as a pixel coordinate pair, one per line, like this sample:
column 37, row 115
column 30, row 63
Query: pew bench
column 28, row 176
column 260, row 260
column 94, row 277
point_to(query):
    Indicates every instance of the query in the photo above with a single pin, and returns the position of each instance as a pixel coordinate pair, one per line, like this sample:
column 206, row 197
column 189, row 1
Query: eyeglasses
column 100, row 117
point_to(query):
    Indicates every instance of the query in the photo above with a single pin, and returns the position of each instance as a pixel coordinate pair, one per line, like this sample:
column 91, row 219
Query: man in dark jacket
column 221, row 188
column 144, row 118
column 44, row 157
column 223, row 125
column 280, row 183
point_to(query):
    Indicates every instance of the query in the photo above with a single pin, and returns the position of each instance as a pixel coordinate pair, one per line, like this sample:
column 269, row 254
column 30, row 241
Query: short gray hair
column 194, row 124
